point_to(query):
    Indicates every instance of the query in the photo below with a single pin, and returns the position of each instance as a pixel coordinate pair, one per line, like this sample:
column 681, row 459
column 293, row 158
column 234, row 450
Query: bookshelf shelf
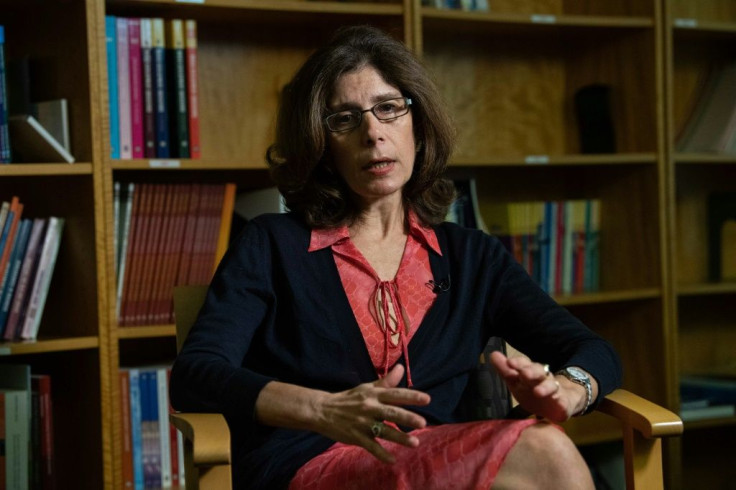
column 710, row 423
column 704, row 158
column 300, row 6
column 609, row 297
column 538, row 20
column 146, row 331
column 42, row 345
column 186, row 164
column 705, row 289
column 31, row 169
column 542, row 160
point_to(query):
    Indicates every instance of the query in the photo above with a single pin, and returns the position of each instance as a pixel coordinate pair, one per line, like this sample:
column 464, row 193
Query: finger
column 392, row 378
column 403, row 396
column 399, row 437
column 549, row 387
column 373, row 447
column 400, row 416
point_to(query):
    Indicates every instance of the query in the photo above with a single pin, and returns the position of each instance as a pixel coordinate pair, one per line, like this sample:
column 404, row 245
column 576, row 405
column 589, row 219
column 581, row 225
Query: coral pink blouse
column 387, row 312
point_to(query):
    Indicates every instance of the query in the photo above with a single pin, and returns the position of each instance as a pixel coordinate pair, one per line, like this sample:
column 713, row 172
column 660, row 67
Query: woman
column 353, row 323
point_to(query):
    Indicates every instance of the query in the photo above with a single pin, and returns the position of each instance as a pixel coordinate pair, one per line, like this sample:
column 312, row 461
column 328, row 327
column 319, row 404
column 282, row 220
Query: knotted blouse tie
column 390, row 315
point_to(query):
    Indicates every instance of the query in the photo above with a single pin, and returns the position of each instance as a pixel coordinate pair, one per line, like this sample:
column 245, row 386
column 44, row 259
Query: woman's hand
column 347, row 416
column 537, row 391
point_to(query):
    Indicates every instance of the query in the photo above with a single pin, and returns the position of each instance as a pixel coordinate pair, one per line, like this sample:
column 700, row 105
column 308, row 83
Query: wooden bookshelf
column 698, row 36
column 509, row 77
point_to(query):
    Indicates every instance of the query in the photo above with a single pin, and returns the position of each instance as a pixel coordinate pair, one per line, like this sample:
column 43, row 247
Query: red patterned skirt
column 462, row 456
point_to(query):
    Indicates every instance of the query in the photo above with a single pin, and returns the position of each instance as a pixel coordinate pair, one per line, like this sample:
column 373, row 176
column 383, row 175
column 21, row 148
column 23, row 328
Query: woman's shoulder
column 456, row 237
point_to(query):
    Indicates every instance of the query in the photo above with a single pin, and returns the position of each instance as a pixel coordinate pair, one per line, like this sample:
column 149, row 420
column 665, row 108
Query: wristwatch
column 577, row 375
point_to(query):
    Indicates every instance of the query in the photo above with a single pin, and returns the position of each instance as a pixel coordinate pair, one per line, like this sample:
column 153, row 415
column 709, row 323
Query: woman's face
column 375, row 159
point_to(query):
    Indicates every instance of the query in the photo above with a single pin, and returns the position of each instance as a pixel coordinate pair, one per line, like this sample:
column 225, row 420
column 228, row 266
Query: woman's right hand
column 347, row 416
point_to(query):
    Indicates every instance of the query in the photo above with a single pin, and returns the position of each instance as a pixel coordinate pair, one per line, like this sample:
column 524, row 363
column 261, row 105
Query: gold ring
column 377, row 429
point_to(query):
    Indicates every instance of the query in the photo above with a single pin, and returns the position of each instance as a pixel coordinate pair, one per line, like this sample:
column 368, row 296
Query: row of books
column 28, row 252
column 711, row 126
column 557, row 242
column 5, row 153
column 152, row 83
column 479, row 5
column 26, row 429
column 153, row 455
column 166, row 235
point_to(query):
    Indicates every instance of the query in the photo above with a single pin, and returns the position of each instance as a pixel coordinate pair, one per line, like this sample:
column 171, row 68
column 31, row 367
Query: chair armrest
column 645, row 417
column 211, row 446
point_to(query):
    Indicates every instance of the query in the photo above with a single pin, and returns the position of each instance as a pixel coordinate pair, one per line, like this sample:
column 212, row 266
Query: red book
column 11, row 223
column 173, row 441
column 159, row 258
column 560, row 249
column 125, row 430
column 190, row 228
column 136, row 87
column 41, row 384
column 149, row 252
column 177, row 245
column 138, row 229
column 190, row 26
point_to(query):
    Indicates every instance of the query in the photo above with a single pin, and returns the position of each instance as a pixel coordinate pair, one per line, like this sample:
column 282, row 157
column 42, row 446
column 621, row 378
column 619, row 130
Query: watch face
column 577, row 373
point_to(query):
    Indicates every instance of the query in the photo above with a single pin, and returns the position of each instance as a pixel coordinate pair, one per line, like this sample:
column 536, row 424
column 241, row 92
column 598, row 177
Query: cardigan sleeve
column 209, row 374
column 532, row 322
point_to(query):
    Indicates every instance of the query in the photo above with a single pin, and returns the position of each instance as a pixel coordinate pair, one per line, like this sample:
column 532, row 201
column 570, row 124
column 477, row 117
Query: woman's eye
column 387, row 108
column 344, row 118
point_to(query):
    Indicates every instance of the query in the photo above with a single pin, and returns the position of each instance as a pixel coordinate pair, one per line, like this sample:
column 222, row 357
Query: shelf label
column 544, row 19
column 536, row 160
column 190, row 1
column 164, row 163
column 689, row 23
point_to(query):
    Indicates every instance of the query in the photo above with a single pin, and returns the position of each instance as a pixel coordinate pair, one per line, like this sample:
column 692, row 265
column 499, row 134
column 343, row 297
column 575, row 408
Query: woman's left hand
column 537, row 390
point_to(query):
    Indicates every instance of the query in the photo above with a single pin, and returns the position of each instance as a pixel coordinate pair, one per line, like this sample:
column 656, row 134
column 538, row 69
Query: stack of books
column 28, row 252
column 167, row 235
column 152, row 83
column 469, row 5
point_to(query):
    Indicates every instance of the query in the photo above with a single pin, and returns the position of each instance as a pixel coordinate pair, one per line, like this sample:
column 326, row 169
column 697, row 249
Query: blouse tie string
column 391, row 318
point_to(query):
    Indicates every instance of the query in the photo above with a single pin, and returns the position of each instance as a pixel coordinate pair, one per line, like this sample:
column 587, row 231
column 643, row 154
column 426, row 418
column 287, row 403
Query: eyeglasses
column 386, row 110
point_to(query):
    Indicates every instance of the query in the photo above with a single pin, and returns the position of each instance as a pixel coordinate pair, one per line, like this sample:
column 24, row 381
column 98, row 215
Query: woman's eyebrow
column 374, row 100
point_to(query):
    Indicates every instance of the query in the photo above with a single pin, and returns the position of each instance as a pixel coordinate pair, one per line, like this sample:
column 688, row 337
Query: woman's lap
column 462, row 456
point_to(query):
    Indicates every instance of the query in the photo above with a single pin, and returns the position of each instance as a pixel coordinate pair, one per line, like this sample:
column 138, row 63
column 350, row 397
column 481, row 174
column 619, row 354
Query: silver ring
column 546, row 370
column 377, row 429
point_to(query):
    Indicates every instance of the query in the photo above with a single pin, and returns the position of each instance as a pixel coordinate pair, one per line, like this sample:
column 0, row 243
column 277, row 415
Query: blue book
column 13, row 270
column 112, row 84
column 5, row 155
column 154, row 434
column 160, row 106
column 136, row 414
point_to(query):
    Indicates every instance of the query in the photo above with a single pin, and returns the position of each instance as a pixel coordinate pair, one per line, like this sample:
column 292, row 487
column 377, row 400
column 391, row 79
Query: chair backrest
column 188, row 300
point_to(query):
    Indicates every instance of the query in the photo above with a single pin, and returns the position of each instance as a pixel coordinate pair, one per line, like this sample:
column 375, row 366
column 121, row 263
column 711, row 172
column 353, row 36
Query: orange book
column 11, row 224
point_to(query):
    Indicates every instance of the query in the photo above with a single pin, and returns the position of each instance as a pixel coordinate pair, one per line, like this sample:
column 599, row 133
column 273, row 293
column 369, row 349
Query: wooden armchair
column 207, row 437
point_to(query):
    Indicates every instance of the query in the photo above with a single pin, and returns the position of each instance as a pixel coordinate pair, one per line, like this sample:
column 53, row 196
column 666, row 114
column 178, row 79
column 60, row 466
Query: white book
column 54, row 116
column 124, row 232
column 41, row 284
column 17, row 438
column 163, row 426
column 124, row 107
column 32, row 143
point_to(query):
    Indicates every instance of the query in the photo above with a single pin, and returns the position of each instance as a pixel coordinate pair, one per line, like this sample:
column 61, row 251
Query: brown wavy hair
column 299, row 160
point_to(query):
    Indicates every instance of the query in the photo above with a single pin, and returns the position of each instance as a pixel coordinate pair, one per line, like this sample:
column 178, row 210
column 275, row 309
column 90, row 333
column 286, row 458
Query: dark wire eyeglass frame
column 334, row 123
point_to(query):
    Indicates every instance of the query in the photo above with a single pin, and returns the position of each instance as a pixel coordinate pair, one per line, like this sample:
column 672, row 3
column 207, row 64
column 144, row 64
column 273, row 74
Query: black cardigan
column 275, row 311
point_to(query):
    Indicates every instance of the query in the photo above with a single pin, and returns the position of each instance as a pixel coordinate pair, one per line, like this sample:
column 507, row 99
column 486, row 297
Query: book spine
column 125, row 234
column 159, row 89
column 136, row 87
column 124, row 103
column 163, row 426
column 149, row 116
column 177, row 90
column 150, row 258
column 192, row 87
column 136, row 426
column 173, row 438
column 46, row 425
column 112, row 84
column 13, row 224
column 41, row 285
column 25, row 281
column 5, row 153
column 16, row 261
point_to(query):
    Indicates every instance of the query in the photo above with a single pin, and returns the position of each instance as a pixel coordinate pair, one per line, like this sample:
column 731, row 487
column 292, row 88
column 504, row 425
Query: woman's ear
column 419, row 146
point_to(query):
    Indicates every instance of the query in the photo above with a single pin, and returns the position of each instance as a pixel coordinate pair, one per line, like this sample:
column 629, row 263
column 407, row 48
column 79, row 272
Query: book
column 177, row 89
column 32, row 143
column 715, row 390
column 112, row 84
column 5, row 153
column 192, row 62
column 136, row 87
column 41, row 389
column 15, row 384
column 125, row 430
column 7, row 234
column 721, row 210
column 707, row 412
column 13, row 272
column 149, row 116
column 42, row 281
column 19, row 303
column 164, row 435
column 159, row 80
column 136, row 421
column 53, row 115
column 124, row 102
column 228, row 207
column 123, row 232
